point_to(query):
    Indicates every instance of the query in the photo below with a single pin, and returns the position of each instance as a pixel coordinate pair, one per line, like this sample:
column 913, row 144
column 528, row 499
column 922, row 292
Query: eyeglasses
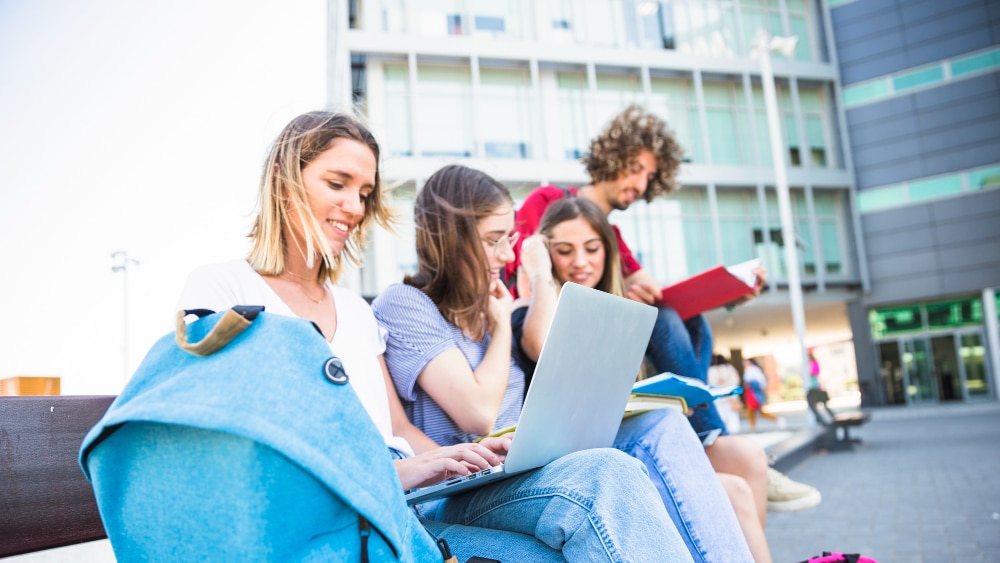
column 498, row 243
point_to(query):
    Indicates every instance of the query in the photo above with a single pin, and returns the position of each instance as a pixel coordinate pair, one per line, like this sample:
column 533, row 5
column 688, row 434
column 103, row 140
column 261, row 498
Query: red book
column 711, row 288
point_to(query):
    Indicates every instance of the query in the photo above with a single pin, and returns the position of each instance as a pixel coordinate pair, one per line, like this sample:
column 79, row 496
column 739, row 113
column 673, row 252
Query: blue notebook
column 694, row 392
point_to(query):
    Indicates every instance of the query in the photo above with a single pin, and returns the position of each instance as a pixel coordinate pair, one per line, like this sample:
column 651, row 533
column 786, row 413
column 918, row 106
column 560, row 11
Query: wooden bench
column 838, row 425
column 46, row 501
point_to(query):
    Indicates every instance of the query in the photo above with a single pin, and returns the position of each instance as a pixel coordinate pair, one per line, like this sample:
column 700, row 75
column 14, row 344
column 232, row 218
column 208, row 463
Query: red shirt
column 528, row 217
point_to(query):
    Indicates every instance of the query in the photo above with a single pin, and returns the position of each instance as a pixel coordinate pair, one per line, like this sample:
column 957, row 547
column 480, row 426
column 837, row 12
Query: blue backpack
column 247, row 445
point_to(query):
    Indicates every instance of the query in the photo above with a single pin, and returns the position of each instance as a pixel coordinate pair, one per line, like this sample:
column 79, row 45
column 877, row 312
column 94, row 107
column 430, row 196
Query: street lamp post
column 122, row 264
column 763, row 45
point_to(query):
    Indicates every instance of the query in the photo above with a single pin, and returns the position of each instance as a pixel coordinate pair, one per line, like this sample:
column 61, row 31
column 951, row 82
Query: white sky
column 136, row 126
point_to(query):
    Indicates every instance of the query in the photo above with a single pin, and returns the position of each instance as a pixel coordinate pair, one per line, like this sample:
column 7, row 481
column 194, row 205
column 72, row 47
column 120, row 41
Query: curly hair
column 617, row 148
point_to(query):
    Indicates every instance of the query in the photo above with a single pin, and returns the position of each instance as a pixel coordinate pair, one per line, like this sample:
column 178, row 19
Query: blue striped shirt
column 418, row 333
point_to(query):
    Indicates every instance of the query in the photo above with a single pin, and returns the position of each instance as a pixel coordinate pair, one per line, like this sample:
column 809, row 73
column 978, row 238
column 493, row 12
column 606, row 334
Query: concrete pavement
column 924, row 486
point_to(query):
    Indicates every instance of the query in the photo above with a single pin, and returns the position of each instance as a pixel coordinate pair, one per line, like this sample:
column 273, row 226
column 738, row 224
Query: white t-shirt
column 358, row 342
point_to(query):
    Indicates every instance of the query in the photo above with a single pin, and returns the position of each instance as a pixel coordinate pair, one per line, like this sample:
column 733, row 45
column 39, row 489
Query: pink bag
column 834, row 557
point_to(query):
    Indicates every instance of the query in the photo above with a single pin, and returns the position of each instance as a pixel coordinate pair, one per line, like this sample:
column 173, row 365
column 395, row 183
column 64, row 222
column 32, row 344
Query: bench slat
column 46, row 500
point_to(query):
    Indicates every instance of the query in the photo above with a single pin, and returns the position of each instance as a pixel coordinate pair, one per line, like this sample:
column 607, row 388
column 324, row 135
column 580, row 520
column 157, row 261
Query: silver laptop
column 581, row 385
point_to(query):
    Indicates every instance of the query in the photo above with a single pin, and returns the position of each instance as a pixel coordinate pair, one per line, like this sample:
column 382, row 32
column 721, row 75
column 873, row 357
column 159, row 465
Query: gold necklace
column 303, row 289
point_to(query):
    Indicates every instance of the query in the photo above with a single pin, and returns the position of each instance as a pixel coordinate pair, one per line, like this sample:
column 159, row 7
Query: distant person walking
column 813, row 372
column 754, row 384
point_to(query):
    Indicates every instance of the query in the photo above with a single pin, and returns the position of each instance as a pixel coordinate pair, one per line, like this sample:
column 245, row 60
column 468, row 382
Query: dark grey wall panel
column 864, row 355
column 935, row 250
column 944, row 129
column 879, row 37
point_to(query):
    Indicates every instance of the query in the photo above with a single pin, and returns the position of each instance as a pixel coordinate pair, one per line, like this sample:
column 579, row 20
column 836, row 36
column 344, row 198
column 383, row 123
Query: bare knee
column 740, row 495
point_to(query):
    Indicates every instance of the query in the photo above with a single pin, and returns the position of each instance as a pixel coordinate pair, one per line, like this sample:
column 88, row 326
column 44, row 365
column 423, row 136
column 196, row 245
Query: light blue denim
column 695, row 499
column 176, row 493
column 592, row 505
column 685, row 348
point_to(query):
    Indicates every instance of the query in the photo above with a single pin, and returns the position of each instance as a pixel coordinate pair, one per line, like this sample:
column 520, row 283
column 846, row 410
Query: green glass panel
column 618, row 83
column 990, row 177
column 696, row 147
column 674, row 90
column 504, row 77
column 917, row 78
column 881, row 198
column 935, row 188
column 867, row 92
column 790, row 131
column 722, row 135
column 975, row 63
column 811, row 99
column 814, row 130
column 831, row 247
column 716, row 93
column 951, row 314
column 571, row 80
column 896, row 320
column 692, row 201
column 825, row 202
column 733, row 202
column 800, row 29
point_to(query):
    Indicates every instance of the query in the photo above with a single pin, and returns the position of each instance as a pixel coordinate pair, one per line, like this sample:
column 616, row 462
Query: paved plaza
column 924, row 486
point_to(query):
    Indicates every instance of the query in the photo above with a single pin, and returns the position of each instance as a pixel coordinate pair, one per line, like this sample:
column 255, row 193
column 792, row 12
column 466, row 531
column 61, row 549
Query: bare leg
column 743, row 503
column 741, row 456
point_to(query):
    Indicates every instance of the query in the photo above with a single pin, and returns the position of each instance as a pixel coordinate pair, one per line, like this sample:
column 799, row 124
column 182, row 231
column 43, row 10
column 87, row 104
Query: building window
column 615, row 92
column 672, row 98
column 830, row 218
column 739, row 220
column 398, row 134
column 573, row 108
column 440, row 18
column 786, row 120
column 671, row 237
column 443, row 121
column 728, row 126
column 497, row 18
column 506, row 118
column 811, row 100
column 703, row 27
column 393, row 16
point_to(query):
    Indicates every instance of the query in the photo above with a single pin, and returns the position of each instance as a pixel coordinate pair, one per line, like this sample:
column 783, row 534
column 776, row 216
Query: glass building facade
column 518, row 88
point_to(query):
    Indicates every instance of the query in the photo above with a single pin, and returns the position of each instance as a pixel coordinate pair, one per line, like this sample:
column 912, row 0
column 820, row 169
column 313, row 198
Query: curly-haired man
column 636, row 156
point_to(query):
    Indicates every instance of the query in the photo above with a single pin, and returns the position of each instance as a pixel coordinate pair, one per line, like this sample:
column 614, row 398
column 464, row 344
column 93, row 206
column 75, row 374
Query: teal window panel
column 869, row 92
column 935, row 188
column 882, row 198
column 915, row 79
column 976, row 63
column 987, row 178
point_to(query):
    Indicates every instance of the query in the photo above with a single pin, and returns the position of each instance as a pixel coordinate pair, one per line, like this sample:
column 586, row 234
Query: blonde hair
column 282, row 191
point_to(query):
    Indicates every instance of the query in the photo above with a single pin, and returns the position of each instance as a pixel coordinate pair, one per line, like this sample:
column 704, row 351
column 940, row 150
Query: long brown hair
column 451, row 263
column 281, row 190
column 570, row 208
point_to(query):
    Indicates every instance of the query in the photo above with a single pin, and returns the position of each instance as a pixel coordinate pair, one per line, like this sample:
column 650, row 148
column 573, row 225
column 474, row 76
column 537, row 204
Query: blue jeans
column 685, row 348
column 683, row 476
column 592, row 505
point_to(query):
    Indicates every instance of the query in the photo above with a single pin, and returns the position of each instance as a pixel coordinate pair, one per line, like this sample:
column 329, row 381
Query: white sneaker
column 782, row 423
column 785, row 495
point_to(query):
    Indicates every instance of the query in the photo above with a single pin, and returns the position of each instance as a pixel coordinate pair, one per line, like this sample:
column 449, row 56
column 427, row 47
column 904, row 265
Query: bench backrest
column 46, row 501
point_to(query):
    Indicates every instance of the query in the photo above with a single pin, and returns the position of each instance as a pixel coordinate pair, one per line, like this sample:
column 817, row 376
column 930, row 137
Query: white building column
column 992, row 336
